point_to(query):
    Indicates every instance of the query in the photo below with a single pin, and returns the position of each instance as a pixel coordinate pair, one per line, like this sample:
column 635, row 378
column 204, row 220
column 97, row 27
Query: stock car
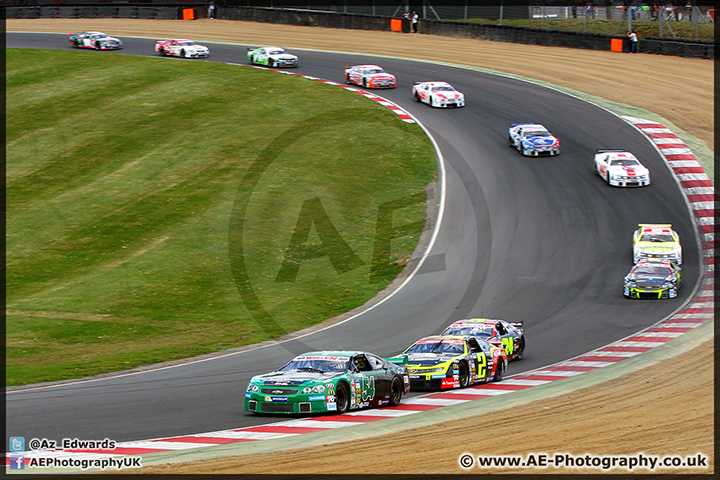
column 653, row 278
column 96, row 40
column 180, row 47
column 369, row 76
column 533, row 139
column 329, row 381
column 453, row 361
column 511, row 335
column 656, row 240
column 620, row 168
column 272, row 57
column 438, row 94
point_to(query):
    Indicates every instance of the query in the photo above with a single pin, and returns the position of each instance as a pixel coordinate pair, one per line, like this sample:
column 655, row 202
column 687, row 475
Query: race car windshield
column 436, row 347
column 653, row 270
column 443, row 88
column 625, row 162
column 374, row 70
column 656, row 237
column 189, row 43
column 338, row 365
column 276, row 52
column 536, row 133
column 481, row 331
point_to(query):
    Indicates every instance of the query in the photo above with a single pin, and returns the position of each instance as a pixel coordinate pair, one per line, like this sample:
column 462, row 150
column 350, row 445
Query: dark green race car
column 329, row 381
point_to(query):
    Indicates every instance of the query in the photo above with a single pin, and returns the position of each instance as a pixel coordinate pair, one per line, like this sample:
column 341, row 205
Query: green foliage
column 152, row 201
column 644, row 28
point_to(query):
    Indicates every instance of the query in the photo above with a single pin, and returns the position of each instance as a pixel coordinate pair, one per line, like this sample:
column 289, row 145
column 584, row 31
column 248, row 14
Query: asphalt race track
column 541, row 240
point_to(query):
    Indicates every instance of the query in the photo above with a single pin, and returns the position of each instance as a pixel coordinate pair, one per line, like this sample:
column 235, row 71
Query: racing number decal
column 368, row 388
column 482, row 365
column 509, row 345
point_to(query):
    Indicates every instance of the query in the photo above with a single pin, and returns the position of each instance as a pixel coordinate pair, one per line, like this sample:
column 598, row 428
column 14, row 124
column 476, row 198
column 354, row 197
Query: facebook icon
column 17, row 462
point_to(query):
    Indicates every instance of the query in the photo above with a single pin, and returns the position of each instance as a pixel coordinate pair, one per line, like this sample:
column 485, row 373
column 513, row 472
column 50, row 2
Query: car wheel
column 416, row 97
column 595, row 168
column 342, row 399
column 364, row 82
column 182, row 53
column 607, row 179
column 271, row 63
column 499, row 371
column 464, row 375
column 396, row 392
column 77, row 44
column 510, row 141
column 521, row 350
column 97, row 45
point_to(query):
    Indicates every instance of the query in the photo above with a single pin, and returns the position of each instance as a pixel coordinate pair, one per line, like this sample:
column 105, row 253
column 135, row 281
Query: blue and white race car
column 532, row 139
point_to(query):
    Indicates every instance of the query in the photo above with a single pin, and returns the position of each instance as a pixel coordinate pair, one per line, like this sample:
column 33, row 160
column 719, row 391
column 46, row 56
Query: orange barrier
column 616, row 44
column 188, row 14
column 396, row 25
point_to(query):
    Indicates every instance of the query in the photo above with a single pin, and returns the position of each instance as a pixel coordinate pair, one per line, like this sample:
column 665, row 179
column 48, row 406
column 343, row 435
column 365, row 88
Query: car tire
column 364, row 83
column 499, row 371
column 77, row 44
column 271, row 63
column 464, row 375
column 416, row 97
column 161, row 51
column 510, row 141
column 182, row 53
column 521, row 349
column 342, row 399
column 595, row 168
column 396, row 392
column 97, row 45
column 608, row 178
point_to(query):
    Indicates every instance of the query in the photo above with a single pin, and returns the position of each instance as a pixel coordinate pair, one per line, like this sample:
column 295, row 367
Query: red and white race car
column 369, row 76
column 181, row 47
column 620, row 168
column 438, row 94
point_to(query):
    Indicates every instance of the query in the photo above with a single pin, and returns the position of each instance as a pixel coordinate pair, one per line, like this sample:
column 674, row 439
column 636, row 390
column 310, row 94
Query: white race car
column 272, row 57
column 438, row 94
column 533, row 139
column 369, row 76
column 620, row 168
column 181, row 47
column 96, row 40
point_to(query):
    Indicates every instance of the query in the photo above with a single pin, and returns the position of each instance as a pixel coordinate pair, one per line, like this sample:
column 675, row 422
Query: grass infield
column 159, row 209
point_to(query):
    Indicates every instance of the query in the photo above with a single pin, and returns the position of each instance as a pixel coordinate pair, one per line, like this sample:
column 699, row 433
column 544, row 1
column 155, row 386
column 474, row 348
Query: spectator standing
column 590, row 12
column 573, row 6
column 633, row 41
column 415, row 18
column 211, row 10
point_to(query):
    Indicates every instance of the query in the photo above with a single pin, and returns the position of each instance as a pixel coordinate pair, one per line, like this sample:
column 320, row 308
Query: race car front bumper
column 642, row 182
column 650, row 294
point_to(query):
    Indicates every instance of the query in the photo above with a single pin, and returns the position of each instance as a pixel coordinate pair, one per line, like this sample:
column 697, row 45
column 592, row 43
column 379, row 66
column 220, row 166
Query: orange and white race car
column 369, row 76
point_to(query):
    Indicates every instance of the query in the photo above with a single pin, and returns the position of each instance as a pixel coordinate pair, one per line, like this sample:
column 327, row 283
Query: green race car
column 329, row 381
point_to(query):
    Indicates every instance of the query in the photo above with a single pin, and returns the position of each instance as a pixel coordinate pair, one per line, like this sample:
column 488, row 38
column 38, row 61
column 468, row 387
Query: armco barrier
column 145, row 13
column 678, row 47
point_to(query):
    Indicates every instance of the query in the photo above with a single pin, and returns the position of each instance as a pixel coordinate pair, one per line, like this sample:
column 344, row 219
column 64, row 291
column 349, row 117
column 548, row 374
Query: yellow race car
column 454, row 361
column 656, row 240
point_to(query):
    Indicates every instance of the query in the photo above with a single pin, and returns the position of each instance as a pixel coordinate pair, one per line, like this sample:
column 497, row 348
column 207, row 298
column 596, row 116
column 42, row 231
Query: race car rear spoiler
column 398, row 360
column 517, row 324
column 603, row 150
